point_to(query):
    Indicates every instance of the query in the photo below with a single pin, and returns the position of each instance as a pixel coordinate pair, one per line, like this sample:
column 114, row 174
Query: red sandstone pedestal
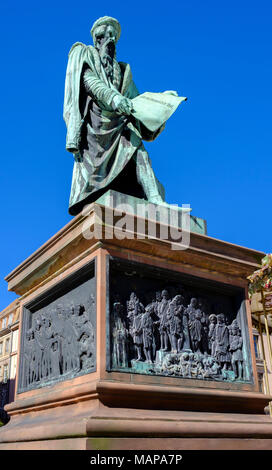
column 107, row 409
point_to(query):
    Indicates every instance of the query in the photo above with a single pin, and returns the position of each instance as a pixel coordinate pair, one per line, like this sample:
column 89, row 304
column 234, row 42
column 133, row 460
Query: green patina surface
column 139, row 206
column 107, row 120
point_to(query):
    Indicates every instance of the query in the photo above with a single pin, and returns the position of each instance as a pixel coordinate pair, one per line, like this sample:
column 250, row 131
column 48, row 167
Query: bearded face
column 105, row 38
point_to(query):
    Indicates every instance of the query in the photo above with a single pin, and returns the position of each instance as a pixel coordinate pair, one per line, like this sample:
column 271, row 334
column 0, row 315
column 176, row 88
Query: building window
column 256, row 346
column 4, row 322
column 1, row 349
column 7, row 345
column 261, row 382
column 15, row 341
column 10, row 319
column 5, row 378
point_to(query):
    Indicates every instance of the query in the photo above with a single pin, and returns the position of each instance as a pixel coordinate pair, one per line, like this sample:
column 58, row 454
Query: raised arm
column 107, row 96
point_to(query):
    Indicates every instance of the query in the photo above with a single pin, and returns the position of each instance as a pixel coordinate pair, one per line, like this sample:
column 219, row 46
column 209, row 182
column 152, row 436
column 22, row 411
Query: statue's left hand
column 170, row 92
column 122, row 105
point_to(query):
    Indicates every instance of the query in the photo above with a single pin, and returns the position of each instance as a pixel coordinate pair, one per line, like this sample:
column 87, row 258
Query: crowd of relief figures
column 61, row 341
column 176, row 337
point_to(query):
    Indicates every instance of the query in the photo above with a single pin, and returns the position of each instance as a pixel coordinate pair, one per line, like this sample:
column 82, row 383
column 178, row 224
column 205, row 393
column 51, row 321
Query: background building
column 260, row 290
column 9, row 328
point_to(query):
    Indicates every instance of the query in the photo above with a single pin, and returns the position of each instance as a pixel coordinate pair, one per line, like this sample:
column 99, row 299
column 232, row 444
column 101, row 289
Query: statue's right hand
column 122, row 105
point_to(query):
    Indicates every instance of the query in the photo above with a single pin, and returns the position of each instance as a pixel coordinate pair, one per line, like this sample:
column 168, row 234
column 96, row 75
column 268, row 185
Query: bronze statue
column 147, row 330
column 235, row 347
column 176, row 309
column 218, row 357
column 102, row 133
column 162, row 310
column 221, row 335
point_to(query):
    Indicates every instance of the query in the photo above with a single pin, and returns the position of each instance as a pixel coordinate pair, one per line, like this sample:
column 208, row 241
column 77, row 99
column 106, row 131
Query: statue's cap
column 107, row 20
column 235, row 324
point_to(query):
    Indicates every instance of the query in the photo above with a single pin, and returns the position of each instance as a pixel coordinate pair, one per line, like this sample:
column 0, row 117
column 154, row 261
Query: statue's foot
column 156, row 200
column 160, row 202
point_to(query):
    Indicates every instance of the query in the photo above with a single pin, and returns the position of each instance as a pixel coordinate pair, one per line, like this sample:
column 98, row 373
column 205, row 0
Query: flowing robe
column 137, row 330
column 104, row 140
column 236, row 344
column 163, row 309
column 147, row 329
column 195, row 328
column 221, row 334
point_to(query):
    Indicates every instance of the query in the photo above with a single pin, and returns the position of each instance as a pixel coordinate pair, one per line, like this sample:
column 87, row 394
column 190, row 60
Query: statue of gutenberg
column 104, row 137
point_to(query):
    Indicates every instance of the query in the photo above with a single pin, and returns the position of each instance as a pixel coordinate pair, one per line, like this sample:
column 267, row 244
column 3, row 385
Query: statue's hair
column 106, row 20
column 234, row 324
column 222, row 316
column 212, row 316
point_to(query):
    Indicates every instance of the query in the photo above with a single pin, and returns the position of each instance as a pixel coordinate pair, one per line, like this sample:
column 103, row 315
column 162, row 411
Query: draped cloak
column 102, row 140
column 221, row 335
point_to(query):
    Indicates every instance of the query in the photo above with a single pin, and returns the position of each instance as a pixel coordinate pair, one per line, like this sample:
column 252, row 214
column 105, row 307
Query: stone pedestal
column 96, row 403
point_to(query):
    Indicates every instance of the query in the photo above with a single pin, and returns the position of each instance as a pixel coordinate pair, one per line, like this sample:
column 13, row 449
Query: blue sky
column 216, row 151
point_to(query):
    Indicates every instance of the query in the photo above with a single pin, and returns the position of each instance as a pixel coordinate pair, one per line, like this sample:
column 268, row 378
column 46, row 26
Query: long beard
column 107, row 51
column 111, row 50
column 107, row 54
column 107, row 62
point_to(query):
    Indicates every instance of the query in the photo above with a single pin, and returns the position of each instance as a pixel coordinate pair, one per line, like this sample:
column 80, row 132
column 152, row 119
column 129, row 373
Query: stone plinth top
column 73, row 242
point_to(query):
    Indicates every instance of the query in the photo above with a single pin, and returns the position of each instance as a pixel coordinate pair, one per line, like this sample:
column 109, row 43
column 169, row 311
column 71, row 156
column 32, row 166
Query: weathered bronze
column 59, row 339
column 104, row 125
column 192, row 344
column 175, row 331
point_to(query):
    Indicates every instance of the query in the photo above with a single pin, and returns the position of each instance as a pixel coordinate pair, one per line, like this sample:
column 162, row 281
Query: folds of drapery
column 104, row 140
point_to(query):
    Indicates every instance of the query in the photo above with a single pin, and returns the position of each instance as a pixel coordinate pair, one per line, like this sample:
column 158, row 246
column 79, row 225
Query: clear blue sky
column 216, row 150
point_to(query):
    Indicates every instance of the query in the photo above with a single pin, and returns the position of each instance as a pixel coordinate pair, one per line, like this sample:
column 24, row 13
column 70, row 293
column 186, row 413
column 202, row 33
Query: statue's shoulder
column 80, row 47
column 124, row 66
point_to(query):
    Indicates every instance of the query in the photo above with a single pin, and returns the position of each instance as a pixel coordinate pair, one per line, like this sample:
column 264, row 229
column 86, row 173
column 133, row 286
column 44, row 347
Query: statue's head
column 149, row 309
column 106, row 31
column 213, row 318
column 165, row 294
column 179, row 299
column 117, row 308
column 158, row 296
column 234, row 327
column 221, row 318
column 193, row 302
